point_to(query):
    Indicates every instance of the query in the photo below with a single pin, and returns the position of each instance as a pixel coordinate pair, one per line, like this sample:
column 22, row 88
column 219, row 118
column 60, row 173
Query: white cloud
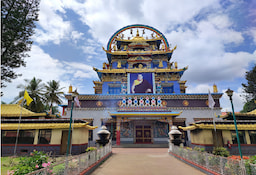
column 238, row 101
column 79, row 70
column 52, row 25
column 75, row 35
column 42, row 66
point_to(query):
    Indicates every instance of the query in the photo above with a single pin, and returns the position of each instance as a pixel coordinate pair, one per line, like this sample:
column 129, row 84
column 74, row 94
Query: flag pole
column 16, row 141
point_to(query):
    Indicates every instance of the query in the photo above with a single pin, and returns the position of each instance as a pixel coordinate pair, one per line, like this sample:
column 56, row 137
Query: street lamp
column 230, row 93
column 73, row 94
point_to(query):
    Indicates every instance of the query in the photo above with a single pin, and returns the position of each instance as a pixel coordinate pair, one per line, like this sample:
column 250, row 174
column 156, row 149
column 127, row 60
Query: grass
column 7, row 163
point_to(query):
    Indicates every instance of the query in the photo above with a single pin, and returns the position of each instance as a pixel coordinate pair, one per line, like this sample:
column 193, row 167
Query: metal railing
column 218, row 164
column 76, row 164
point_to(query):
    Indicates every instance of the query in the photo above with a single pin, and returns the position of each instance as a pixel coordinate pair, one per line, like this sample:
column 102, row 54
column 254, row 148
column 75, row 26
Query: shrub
column 199, row 149
column 35, row 161
column 220, row 151
column 90, row 149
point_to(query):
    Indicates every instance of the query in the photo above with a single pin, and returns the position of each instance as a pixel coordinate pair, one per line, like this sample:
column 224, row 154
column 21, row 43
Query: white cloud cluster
column 202, row 30
column 42, row 66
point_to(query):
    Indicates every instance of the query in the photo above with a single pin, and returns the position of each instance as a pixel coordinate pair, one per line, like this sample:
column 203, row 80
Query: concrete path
column 144, row 161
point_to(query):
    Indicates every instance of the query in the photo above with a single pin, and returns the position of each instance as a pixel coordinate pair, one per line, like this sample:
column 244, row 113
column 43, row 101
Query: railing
column 76, row 164
column 218, row 164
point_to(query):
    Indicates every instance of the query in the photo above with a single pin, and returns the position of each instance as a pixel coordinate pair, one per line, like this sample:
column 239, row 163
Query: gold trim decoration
column 99, row 103
column 185, row 103
column 164, row 103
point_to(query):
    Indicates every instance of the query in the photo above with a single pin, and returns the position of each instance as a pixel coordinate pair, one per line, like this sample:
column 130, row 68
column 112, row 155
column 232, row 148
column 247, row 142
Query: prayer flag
column 27, row 98
column 211, row 102
column 77, row 102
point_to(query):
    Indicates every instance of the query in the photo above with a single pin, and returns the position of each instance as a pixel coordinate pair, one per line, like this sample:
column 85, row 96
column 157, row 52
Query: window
column 44, row 136
column 114, row 90
column 168, row 89
column 91, row 132
column 25, row 137
column 252, row 135
column 241, row 135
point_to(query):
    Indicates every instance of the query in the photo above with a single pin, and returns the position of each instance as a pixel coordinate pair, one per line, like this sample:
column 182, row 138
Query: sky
column 216, row 39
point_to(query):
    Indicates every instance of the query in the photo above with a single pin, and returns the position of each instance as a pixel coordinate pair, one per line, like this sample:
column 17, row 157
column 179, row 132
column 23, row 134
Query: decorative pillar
column 170, row 122
column 118, row 121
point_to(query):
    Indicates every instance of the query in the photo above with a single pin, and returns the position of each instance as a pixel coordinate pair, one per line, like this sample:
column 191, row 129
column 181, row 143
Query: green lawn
column 7, row 163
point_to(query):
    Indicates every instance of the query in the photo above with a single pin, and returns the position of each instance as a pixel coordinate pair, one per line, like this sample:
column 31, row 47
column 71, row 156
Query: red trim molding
column 42, row 144
column 202, row 144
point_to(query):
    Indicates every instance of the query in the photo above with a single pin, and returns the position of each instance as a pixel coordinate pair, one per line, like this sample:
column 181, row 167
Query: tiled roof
column 15, row 126
column 15, row 110
column 224, row 126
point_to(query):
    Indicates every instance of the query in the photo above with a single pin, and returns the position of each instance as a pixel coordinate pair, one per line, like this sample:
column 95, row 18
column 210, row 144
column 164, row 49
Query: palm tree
column 53, row 93
column 34, row 88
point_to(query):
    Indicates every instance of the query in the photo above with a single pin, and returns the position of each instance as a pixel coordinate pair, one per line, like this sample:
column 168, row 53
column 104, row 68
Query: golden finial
column 70, row 89
column 176, row 65
column 115, row 48
column 103, row 48
column 175, row 47
column 152, row 35
column 215, row 89
column 138, row 32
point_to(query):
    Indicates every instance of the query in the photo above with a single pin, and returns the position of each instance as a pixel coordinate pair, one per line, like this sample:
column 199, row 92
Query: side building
column 140, row 94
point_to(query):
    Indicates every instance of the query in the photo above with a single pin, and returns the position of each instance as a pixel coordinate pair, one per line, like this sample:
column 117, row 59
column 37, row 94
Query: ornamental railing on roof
column 142, row 102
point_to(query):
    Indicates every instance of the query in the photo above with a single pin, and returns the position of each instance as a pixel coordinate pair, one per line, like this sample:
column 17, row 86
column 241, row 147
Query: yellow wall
column 56, row 136
column 36, row 136
column 80, row 136
column 202, row 137
column 247, row 137
column 226, row 136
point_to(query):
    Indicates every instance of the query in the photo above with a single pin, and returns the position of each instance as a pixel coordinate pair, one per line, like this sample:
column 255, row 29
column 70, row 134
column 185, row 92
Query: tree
column 53, row 93
column 17, row 22
column 35, row 89
column 250, row 90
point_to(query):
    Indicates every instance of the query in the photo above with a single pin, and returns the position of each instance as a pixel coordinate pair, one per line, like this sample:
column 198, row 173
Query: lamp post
column 73, row 94
column 230, row 93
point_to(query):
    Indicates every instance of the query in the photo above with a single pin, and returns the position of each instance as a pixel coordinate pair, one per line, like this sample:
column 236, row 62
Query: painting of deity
column 126, row 130
column 161, row 130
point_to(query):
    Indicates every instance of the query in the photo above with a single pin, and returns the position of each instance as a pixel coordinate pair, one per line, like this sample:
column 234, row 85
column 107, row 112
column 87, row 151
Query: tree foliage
column 17, row 22
column 35, row 89
column 53, row 93
column 250, row 90
column 44, row 95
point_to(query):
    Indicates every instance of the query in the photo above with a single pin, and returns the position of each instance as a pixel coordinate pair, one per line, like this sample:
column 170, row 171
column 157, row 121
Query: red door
column 143, row 134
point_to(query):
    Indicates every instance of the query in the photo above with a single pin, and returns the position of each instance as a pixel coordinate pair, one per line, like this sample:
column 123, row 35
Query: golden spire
column 215, row 89
column 138, row 32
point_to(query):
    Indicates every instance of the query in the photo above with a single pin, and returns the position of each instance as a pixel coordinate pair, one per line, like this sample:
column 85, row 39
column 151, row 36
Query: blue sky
column 216, row 39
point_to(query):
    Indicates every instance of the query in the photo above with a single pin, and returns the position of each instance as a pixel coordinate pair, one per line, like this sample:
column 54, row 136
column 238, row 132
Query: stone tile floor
column 144, row 161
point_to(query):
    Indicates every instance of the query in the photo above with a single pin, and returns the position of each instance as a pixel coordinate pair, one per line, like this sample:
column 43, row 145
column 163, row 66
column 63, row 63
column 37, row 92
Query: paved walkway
column 144, row 161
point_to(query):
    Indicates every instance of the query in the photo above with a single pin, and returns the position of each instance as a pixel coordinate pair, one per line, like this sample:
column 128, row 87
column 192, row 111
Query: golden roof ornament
column 215, row 89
